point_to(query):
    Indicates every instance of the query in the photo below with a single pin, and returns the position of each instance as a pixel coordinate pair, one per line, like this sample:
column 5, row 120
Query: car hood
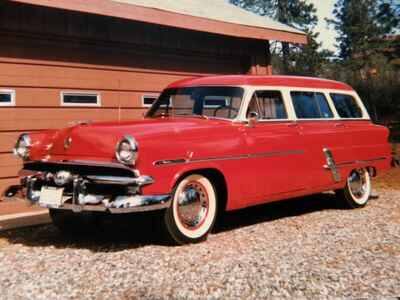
column 100, row 139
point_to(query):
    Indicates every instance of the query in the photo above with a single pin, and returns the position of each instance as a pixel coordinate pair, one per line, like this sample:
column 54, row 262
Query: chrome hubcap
column 193, row 205
column 358, row 183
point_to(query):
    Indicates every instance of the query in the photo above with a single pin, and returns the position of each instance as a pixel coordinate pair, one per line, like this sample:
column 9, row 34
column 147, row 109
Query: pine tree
column 359, row 24
column 309, row 60
column 295, row 13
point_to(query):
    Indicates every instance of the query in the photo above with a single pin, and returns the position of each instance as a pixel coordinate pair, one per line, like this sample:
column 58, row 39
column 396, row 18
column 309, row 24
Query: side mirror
column 253, row 119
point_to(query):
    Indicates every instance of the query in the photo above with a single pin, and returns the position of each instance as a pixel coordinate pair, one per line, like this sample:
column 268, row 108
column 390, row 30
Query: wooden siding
column 47, row 51
column 172, row 19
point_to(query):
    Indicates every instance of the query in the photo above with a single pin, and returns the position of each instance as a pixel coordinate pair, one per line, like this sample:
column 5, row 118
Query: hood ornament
column 67, row 142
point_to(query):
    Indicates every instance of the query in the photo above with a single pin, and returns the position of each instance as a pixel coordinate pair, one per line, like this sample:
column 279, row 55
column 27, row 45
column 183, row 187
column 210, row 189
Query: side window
column 148, row 100
column 80, row 99
column 268, row 104
column 7, row 98
column 310, row 105
column 346, row 106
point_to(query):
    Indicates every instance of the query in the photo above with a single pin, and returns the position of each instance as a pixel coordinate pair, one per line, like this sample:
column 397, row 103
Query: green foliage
column 289, row 58
column 363, row 60
column 359, row 24
column 297, row 13
column 308, row 60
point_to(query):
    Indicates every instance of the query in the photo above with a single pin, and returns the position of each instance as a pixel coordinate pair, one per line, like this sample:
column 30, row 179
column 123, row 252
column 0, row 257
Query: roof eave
column 166, row 18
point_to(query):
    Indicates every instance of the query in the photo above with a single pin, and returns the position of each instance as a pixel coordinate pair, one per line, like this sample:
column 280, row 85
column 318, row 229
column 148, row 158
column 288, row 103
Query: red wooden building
column 66, row 60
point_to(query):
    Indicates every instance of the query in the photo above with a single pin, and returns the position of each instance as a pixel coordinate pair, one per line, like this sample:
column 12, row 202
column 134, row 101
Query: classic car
column 205, row 146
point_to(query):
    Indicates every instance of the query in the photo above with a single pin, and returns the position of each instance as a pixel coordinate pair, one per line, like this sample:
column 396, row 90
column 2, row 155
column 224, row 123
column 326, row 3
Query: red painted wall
column 46, row 51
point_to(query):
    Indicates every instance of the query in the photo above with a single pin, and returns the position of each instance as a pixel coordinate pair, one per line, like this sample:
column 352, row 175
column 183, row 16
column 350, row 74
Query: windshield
column 219, row 102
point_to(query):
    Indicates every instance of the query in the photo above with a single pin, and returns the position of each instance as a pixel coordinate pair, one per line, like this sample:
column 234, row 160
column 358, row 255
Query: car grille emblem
column 67, row 143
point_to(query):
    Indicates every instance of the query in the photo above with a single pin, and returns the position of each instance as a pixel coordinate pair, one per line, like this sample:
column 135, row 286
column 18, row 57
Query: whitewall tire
column 193, row 210
column 358, row 189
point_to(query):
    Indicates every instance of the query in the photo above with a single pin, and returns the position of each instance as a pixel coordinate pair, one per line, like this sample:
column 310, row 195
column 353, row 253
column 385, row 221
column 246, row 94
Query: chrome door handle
column 293, row 125
column 340, row 125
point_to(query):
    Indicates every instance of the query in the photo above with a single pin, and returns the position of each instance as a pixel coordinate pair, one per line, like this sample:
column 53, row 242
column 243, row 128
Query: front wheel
column 357, row 191
column 193, row 211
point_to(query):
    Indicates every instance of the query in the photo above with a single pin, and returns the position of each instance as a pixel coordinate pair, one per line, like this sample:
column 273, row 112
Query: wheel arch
column 216, row 177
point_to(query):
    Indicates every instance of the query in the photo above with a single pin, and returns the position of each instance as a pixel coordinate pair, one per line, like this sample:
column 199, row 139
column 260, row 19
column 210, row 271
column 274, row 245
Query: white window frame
column 11, row 93
column 80, row 93
column 149, row 96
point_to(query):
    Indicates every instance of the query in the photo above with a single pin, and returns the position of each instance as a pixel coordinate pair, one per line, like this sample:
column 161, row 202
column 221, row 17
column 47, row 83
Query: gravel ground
column 302, row 248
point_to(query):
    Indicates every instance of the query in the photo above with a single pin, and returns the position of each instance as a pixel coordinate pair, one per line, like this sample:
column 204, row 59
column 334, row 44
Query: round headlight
column 23, row 145
column 127, row 150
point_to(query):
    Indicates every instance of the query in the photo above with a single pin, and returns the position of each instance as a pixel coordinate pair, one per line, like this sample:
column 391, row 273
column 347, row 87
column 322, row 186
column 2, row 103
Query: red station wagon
column 207, row 145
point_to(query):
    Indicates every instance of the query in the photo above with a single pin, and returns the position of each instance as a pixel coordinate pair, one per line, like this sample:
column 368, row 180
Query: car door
column 323, row 134
column 275, row 147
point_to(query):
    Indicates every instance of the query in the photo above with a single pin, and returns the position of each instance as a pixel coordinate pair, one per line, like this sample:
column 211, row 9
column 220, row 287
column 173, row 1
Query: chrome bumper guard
column 80, row 201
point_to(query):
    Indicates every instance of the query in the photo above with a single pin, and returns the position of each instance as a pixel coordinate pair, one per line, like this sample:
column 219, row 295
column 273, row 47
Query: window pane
column 269, row 105
column 346, row 106
column 322, row 102
column 149, row 100
column 305, row 105
column 310, row 105
column 80, row 99
column 5, row 97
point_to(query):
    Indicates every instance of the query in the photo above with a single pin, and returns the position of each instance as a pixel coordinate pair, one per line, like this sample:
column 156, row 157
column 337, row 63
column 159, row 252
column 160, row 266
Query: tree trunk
column 282, row 17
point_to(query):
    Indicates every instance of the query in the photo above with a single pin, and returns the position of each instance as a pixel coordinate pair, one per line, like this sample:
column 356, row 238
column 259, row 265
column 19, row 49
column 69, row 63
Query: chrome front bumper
column 78, row 200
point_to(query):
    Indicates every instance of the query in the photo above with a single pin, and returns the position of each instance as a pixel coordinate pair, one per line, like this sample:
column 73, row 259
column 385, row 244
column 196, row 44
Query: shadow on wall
column 118, row 233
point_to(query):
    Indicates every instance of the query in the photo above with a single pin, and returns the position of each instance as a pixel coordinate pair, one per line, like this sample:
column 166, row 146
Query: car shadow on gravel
column 277, row 210
column 119, row 233
column 115, row 233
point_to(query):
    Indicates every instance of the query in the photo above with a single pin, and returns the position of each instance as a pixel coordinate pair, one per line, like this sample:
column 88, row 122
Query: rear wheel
column 74, row 223
column 357, row 191
column 193, row 211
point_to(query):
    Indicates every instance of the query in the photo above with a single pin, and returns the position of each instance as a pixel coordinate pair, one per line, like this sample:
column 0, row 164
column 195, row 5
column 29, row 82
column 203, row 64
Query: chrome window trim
column 10, row 92
column 81, row 93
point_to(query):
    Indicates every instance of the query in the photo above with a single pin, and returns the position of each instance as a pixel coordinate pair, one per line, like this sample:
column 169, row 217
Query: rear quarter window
column 347, row 106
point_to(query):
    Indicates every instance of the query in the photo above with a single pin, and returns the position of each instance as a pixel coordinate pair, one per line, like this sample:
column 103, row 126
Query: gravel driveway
column 304, row 248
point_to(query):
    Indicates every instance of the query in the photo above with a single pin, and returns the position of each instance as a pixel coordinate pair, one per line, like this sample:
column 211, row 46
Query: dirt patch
column 389, row 180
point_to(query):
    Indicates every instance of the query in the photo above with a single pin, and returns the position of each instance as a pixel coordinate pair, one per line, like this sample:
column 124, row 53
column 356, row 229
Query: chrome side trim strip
column 356, row 162
column 223, row 158
column 170, row 162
